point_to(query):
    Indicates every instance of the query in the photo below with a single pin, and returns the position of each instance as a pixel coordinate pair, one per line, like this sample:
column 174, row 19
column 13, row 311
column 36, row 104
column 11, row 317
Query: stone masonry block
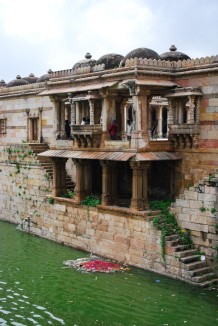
column 190, row 195
column 194, row 226
column 58, row 207
column 182, row 203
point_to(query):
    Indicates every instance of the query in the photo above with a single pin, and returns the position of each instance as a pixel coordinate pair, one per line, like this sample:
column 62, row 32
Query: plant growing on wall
column 91, row 200
column 166, row 222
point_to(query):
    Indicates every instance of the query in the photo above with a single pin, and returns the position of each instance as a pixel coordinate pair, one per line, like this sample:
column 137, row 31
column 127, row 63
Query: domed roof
column 2, row 83
column 31, row 78
column 45, row 77
column 174, row 55
column 142, row 53
column 87, row 62
column 17, row 82
column 111, row 60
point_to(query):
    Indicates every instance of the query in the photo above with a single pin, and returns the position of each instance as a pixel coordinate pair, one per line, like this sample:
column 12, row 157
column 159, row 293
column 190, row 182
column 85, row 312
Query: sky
column 37, row 35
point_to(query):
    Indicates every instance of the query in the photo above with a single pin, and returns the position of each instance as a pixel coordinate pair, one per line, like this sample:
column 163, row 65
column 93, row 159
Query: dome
column 174, row 55
column 2, row 83
column 31, row 78
column 111, row 60
column 17, row 82
column 87, row 62
column 142, row 53
column 45, row 77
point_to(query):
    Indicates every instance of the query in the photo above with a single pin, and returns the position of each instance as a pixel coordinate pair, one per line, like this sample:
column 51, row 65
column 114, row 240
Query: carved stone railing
column 184, row 135
column 86, row 135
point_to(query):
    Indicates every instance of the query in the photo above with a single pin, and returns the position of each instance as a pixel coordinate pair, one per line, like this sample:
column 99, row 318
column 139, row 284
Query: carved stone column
column 72, row 113
column 28, row 125
column 191, row 109
column 80, row 180
column 78, row 118
column 56, row 116
column 160, row 121
column 170, row 113
column 91, row 112
column 59, row 176
column 106, row 183
column 62, row 120
column 197, row 111
column 40, row 125
column 139, row 186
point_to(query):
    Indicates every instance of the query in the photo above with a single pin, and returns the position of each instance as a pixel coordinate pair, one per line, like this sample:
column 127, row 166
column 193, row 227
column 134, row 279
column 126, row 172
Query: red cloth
column 113, row 129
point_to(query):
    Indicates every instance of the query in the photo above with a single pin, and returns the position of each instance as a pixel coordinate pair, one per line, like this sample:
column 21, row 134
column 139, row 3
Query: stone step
column 194, row 265
column 205, row 277
column 186, row 253
column 179, row 248
column 200, row 271
column 210, row 282
column 190, row 259
column 172, row 243
column 171, row 237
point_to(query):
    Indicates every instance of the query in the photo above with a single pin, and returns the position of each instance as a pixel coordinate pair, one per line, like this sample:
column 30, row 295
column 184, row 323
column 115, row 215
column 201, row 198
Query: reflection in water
column 37, row 289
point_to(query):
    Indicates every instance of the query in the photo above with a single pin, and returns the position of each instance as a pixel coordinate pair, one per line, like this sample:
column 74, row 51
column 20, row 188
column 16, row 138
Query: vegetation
column 68, row 194
column 51, row 200
column 91, row 200
column 166, row 222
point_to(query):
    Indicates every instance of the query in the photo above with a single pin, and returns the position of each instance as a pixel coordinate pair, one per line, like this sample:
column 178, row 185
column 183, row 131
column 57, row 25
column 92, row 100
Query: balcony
column 87, row 135
column 184, row 135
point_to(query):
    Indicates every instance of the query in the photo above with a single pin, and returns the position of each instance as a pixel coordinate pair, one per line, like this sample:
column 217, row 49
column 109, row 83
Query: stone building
column 171, row 103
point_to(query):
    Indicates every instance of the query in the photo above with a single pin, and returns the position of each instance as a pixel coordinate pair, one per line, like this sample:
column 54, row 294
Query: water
column 37, row 289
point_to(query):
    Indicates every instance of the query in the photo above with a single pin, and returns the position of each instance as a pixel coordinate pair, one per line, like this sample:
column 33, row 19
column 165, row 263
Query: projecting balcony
column 87, row 135
column 184, row 128
column 184, row 135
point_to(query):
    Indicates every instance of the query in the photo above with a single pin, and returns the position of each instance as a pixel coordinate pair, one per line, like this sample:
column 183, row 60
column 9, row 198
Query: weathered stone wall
column 197, row 210
column 113, row 233
column 14, row 110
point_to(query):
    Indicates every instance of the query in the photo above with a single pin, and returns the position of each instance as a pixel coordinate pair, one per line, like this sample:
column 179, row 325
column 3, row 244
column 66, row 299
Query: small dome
column 31, row 78
column 2, row 83
column 174, row 55
column 111, row 60
column 17, row 82
column 87, row 62
column 45, row 77
column 142, row 53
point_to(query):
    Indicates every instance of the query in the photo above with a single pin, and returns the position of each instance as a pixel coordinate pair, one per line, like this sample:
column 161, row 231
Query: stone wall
column 197, row 210
column 115, row 233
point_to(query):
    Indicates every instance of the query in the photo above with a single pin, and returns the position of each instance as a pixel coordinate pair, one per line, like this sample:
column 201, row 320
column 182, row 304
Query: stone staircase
column 47, row 164
column 193, row 269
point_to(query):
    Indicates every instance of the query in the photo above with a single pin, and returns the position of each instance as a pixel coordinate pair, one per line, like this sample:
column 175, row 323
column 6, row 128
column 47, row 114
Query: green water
column 37, row 289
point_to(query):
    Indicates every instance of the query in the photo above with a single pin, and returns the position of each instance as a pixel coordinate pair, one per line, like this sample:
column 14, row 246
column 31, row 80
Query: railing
column 185, row 128
column 86, row 129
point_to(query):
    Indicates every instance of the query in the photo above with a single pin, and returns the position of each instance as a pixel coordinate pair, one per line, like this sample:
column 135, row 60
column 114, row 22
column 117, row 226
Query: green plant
column 51, row 200
column 68, row 194
column 213, row 210
column 202, row 209
column 46, row 175
column 211, row 176
column 91, row 200
column 166, row 222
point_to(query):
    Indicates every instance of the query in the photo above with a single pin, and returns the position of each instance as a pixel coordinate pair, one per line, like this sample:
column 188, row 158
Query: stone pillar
column 139, row 182
column 197, row 111
column 62, row 120
column 40, row 125
column 191, row 109
column 73, row 113
column 140, row 121
column 106, row 183
column 56, row 116
column 28, row 125
column 87, row 177
column 105, row 119
column 145, row 166
column 170, row 119
column 113, row 181
column 160, row 121
column 78, row 118
column 80, row 181
column 91, row 112
column 59, row 176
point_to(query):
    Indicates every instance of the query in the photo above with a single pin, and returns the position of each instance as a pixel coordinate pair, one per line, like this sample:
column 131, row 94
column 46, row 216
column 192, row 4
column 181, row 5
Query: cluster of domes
column 110, row 61
column 26, row 80
column 114, row 60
